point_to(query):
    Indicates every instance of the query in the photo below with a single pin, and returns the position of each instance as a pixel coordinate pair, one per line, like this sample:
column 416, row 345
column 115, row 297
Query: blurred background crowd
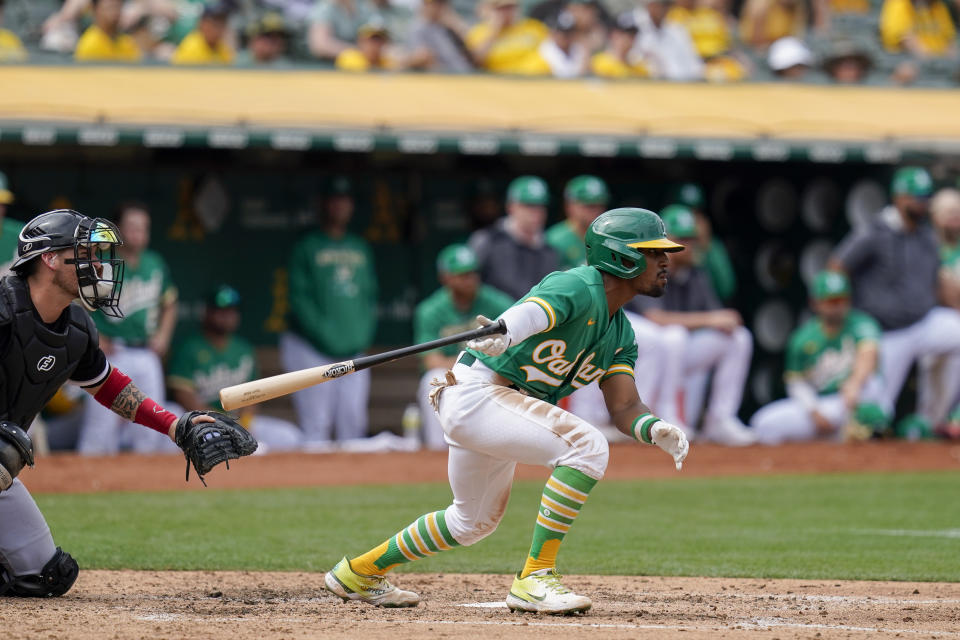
column 820, row 41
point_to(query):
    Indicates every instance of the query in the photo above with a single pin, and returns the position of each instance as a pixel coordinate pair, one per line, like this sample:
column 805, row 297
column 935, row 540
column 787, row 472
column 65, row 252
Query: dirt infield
column 68, row 473
column 275, row 606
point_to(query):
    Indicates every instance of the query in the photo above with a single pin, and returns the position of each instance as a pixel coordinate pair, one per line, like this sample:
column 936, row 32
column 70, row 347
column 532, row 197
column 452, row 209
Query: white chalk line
column 751, row 624
column 919, row 533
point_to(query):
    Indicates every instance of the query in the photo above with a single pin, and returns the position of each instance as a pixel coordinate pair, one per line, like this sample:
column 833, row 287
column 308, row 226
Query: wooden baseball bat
column 247, row 393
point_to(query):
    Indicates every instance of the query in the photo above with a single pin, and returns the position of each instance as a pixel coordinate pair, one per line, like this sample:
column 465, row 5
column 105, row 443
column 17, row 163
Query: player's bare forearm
column 864, row 364
column 623, row 402
column 187, row 398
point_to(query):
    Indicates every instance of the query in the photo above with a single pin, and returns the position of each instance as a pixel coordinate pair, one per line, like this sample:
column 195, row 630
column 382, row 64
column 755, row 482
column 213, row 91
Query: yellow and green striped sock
column 424, row 537
column 564, row 495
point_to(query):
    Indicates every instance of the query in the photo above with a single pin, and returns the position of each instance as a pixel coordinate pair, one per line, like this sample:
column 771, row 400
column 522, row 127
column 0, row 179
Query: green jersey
column 9, row 233
column 581, row 344
column 568, row 245
column 147, row 288
column 437, row 316
column 950, row 259
column 199, row 366
column 827, row 361
column 333, row 294
column 716, row 261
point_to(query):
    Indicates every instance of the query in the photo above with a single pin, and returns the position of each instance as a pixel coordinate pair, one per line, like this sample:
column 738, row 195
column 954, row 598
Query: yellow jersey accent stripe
column 566, row 490
column 550, row 524
column 417, row 540
column 551, row 314
column 409, row 555
column 618, row 368
column 559, row 508
column 435, row 533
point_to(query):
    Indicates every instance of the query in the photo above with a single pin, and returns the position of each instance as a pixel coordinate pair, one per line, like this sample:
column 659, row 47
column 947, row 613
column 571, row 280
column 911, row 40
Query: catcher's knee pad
column 55, row 579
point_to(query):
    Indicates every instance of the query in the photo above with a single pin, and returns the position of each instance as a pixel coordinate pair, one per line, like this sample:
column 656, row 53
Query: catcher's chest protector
column 37, row 360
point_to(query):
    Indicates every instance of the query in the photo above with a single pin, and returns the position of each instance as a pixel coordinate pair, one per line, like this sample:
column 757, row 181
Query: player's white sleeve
column 803, row 393
column 524, row 320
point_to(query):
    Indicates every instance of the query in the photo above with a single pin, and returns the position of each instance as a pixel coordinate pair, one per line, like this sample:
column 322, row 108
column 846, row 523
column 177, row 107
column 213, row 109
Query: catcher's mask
column 94, row 242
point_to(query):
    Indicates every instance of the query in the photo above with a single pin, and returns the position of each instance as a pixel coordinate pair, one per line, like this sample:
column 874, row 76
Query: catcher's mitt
column 207, row 444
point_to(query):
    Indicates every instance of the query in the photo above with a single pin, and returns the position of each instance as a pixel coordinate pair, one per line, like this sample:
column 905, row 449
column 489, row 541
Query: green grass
column 827, row 526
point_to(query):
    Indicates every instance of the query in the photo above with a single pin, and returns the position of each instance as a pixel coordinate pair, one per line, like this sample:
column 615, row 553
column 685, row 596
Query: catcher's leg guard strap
column 55, row 579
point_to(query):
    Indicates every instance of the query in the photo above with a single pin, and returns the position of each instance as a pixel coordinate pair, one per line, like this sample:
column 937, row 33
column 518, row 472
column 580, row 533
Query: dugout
column 231, row 162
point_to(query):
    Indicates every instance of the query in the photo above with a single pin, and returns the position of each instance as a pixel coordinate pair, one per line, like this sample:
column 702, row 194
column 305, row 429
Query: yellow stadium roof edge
column 481, row 115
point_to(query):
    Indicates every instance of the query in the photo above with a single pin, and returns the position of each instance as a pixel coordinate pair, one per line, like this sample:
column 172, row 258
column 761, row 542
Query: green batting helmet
column 912, row 181
column 528, row 190
column 616, row 236
column 587, row 190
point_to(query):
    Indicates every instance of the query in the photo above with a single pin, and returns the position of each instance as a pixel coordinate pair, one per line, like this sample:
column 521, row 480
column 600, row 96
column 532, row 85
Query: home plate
column 485, row 605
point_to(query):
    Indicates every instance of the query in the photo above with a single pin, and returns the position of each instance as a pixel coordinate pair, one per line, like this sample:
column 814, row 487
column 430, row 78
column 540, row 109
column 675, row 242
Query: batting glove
column 493, row 345
column 671, row 439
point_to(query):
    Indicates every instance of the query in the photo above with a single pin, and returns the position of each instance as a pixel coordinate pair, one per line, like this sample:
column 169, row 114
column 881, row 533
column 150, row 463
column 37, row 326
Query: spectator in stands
column 216, row 357
column 371, row 53
column 831, row 373
column 335, row 24
column 561, row 55
column 763, row 22
column 713, row 254
column 11, row 49
column 137, row 342
column 9, row 229
column 790, row 59
column 512, row 253
column 824, row 12
column 267, row 45
column 584, row 198
column 207, row 44
column 437, row 40
column 333, row 317
column 894, row 265
column 451, row 309
column 701, row 337
column 712, row 29
column 615, row 60
column 505, row 41
column 103, row 41
column 665, row 47
column 846, row 62
column 922, row 28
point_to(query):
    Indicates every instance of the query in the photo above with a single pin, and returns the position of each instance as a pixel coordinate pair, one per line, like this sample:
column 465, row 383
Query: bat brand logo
column 337, row 371
column 46, row 363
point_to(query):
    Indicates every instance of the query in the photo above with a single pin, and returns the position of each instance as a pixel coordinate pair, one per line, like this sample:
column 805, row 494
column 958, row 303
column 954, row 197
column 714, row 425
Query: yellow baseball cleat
column 342, row 581
column 542, row 592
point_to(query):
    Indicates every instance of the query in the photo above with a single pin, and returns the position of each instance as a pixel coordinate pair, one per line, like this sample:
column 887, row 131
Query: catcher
column 47, row 340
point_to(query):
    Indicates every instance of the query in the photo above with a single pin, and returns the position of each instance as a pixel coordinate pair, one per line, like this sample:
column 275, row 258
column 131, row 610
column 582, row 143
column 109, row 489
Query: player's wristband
column 640, row 429
column 152, row 415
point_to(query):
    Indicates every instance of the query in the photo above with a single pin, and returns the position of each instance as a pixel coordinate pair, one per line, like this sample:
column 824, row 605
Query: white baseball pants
column 786, row 420
column 934, row 337
column 105, row 433
column 336, row 408
column 490, row 428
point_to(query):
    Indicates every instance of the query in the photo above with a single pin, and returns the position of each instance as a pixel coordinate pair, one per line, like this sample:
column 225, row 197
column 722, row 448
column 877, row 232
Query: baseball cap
column 679, row 221
column 340, row 186
column 587, row 190
column 626, row 22
column 223, row 297
column 912, row 181
column 6, row 196
column 218, row 9
column 528, row 190
column 268, row 24
column 456, row 259
column 564, row 22
column 830, row 284
column 373, row 27
column 788, row 52
column 689, row 194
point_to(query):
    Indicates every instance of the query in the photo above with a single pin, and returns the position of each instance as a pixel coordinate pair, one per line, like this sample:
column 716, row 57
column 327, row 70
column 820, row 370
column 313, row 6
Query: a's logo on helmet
column 46, row 363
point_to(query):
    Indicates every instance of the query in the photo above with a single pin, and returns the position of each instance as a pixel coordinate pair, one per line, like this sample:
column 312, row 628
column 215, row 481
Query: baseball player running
column 497, row 408
column 830, row 372
column 46, row 340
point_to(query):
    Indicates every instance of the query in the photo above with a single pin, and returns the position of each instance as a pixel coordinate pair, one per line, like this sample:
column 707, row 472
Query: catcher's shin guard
column 55, row 579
